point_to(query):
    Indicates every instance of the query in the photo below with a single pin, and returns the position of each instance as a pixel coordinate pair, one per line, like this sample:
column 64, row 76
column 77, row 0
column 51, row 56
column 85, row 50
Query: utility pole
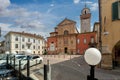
column 0, row 31
column 100, row 28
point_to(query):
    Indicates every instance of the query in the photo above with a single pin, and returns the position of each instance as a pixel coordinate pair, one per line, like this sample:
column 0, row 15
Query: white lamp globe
column 28, row 52
column 92, row 56
column 7, row 52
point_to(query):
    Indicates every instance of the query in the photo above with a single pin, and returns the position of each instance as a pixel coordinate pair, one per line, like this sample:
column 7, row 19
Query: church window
column 52, row 47
column 85, row 41
column 78, row 41
column 66, row 32
column 92, row 39
column 116, row 10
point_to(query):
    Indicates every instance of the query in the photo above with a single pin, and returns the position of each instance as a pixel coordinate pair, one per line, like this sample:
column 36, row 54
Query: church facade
column 66, row 39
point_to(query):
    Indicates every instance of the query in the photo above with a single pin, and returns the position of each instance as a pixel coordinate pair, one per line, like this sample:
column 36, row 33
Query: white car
column 3, row 59
column 33, row 60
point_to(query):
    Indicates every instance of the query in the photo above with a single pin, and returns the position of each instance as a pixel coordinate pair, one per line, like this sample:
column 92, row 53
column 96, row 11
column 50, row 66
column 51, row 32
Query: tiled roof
column 25, row 34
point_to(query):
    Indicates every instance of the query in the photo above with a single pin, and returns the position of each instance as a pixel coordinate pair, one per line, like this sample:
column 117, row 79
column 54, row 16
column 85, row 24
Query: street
column 71, row 68
column 77, row 69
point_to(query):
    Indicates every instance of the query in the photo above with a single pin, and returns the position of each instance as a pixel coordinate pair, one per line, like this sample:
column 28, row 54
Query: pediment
column 66, row 21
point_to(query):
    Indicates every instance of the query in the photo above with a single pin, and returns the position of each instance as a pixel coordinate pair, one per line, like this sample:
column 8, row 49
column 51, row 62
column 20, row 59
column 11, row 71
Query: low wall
column 106, row 62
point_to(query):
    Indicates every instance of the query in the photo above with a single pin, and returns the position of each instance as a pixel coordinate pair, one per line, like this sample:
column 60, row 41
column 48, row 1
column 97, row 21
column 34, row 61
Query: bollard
column 10, row 61
column 28, row 70
column 7, row 60
column 19, row 69
column 45, row 72
column 49, row 70
column 14, row 62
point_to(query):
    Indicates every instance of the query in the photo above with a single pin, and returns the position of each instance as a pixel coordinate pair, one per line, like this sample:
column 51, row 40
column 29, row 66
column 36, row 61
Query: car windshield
column 20, row 57
column 27, row 58
column 3, row 58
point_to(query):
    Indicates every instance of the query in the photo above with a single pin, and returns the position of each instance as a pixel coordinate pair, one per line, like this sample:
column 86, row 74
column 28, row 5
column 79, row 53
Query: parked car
column 33, row 60
column 3, row 58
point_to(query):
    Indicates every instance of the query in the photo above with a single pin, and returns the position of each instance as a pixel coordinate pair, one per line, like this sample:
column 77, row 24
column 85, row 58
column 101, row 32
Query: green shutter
column 115, row 11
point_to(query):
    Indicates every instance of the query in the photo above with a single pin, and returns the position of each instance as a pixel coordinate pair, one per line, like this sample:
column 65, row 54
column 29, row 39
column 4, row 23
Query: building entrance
column 116, row 62
column 65, row 50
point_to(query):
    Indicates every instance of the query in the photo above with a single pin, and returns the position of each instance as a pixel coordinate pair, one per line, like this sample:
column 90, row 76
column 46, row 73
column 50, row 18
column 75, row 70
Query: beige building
column 63, row 40
column 110, row 19
column 19, row 42
column 96, row 28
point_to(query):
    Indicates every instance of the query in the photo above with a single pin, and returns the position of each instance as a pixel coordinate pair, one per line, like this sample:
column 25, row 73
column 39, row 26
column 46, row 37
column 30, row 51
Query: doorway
column 116, row 60
column 65, row 50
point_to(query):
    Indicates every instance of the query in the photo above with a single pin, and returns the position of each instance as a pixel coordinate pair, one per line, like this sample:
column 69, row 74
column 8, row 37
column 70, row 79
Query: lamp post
column 92, row 57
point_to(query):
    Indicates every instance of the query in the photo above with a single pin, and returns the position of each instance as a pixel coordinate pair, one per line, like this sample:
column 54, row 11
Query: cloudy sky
column 41, row 16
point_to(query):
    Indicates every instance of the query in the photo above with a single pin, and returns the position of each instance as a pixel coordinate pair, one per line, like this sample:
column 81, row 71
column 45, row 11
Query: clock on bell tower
column 85, row 20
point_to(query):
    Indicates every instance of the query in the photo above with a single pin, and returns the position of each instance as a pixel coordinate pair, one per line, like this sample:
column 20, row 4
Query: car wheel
column 40, row 61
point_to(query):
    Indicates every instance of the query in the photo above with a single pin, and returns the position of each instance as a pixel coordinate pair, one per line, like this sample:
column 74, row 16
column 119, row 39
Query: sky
column 42, row 16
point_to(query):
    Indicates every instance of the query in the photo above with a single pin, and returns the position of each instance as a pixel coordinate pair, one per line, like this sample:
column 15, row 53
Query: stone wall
column 106, row 62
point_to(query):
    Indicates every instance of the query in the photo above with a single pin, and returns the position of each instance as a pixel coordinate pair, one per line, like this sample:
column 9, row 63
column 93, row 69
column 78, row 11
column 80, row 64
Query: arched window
column 66, row 32
column 52, row 47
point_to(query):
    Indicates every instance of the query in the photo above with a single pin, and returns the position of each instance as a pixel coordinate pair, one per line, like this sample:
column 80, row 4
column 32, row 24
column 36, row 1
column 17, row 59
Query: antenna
column 85, row 3
column 0, row 31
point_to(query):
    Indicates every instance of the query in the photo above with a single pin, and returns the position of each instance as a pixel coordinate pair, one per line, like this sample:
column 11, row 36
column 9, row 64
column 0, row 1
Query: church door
column 65, row 50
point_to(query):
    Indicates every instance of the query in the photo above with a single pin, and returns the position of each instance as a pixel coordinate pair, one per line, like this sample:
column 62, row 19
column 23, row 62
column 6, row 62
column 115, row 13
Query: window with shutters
column 116, row 10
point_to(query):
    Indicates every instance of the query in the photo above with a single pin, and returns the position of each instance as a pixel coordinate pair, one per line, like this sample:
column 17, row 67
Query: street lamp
column 92, row 57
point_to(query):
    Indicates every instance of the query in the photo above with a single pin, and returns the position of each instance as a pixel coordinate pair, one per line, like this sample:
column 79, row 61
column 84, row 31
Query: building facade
column 2, row 47
column 63, row 40
column 19, row 42
column 110, row 21
column 67, row 40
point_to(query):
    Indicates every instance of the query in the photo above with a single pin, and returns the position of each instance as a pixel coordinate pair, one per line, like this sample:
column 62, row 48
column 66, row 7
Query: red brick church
column 66, row 39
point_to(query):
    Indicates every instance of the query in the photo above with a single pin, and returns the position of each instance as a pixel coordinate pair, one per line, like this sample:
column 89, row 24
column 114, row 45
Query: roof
column 65, row 20
column 25, row 34
column 53, row 32
column 96, row 23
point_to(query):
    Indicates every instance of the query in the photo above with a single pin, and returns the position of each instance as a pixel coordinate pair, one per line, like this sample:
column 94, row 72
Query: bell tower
column 85, row 18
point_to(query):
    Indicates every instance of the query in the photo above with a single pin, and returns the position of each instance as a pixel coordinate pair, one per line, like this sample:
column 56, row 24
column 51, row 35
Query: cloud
column 4, row 4
column 94, row 6
column 52, row 5
column 23, row 19
column 76, row 1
